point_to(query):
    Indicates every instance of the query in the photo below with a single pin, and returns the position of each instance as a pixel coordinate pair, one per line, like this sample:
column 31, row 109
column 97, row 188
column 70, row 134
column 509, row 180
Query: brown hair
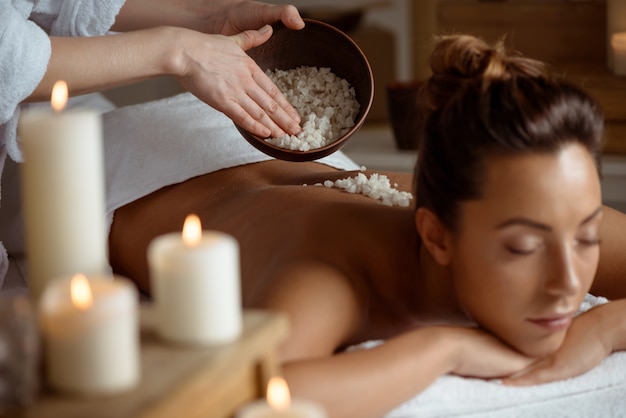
column 482, row 101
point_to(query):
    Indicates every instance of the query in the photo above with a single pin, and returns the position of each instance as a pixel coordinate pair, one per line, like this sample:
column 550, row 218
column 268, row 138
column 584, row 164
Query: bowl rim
column 315, row 153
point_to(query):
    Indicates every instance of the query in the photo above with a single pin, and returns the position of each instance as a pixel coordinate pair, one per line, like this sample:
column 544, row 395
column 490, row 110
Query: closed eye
column 522, row 251
column 588, row 242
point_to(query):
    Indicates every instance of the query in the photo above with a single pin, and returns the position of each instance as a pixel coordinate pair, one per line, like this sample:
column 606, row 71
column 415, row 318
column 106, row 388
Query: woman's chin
column 540, row 348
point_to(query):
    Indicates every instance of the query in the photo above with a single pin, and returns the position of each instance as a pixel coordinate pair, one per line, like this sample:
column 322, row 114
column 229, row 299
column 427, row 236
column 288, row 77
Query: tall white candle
column 91, row 335
column 195, row 283
column 280, row 405
column 63, row 192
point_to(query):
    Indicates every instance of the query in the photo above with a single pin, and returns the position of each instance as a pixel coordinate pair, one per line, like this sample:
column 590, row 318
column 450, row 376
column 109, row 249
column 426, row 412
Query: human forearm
column 225, row 17
column 612, row 321
column 593, row 336
column 369, row 383
column 215, row 68
column 142, row 14
column 97, row 63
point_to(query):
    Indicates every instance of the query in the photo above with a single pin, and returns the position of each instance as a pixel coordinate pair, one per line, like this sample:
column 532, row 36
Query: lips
column 555, row 323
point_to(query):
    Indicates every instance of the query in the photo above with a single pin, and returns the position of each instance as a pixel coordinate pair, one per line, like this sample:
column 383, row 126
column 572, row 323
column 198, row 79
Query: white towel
column 156, row 144
column 601, row 393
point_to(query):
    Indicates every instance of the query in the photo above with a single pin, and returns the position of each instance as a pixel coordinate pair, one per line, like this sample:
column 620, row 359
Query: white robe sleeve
column 84, row 17
column 24, row 56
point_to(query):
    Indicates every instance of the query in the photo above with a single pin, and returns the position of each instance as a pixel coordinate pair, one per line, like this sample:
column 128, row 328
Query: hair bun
column 466, row 56
column 461, row 59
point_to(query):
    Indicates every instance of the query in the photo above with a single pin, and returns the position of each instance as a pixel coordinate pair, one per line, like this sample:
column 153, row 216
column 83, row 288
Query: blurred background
column 572, row 36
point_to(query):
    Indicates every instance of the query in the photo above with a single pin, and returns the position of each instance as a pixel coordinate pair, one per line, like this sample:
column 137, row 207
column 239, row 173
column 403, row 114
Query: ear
column 436, row 237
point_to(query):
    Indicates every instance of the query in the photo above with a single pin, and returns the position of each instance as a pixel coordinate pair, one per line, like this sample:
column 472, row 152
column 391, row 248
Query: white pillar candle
column 63, row 192
column 280, row 405
column 618, row 47
column 91, row 335
column 615, row 22
column 195, row 284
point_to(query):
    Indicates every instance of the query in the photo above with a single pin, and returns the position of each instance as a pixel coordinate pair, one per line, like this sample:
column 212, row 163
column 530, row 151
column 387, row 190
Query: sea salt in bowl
column 318, row 45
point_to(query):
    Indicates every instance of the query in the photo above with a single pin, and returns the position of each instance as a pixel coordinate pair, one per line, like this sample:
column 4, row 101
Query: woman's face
column 527, row 251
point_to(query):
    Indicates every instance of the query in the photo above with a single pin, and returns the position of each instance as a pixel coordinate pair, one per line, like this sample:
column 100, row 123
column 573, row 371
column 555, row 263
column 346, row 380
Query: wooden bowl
column 318, row 44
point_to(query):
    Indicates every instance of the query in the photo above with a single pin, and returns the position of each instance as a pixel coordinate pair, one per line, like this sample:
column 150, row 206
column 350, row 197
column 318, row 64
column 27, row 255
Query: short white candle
column 280, row 405
column 63, row 192
column 195, row 284
column 618, row 47
column 91, row 335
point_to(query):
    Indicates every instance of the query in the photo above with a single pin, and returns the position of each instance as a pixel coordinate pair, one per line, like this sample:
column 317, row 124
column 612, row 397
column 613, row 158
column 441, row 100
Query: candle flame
column 618, row 40
column 278, row 394
column 59, row 95
column 192, row 231
column 80, row 292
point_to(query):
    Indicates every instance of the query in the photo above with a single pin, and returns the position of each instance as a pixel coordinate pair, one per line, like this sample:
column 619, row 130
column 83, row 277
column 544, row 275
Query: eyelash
column 589, row 242
column 519, row 252
column 585, row 242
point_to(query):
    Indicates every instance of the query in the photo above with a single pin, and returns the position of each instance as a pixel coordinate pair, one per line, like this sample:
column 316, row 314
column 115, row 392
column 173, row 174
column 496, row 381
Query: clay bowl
column 318, row 44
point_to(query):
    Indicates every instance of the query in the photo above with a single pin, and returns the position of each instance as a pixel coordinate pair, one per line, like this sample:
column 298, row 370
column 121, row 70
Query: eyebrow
column 543, row 227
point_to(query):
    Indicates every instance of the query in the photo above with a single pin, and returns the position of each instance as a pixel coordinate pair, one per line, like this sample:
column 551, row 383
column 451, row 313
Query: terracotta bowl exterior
column 317, row 45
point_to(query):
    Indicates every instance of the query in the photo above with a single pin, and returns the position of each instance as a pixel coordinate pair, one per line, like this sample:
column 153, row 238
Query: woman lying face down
column 481, row 277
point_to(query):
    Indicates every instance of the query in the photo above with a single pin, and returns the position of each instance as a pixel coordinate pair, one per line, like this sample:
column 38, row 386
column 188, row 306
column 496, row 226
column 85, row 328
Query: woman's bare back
column 279, row 224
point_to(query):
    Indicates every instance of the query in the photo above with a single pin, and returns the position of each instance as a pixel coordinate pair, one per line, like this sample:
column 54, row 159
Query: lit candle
column 615, row 22
column 618, row 47
column 91, row 335
column 63, row 192
column 280, row 405
column 195, row 284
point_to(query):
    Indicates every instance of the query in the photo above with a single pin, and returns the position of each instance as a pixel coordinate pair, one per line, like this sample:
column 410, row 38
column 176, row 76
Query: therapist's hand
column 216, row 69
column 230, row 17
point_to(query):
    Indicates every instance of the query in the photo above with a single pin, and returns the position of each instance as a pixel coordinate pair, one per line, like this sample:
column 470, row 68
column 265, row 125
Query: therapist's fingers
column 271, row 99
column 272, row 108
column 291, row 18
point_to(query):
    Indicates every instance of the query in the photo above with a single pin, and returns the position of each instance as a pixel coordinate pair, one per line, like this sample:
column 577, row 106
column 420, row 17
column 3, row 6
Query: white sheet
column 600, row 393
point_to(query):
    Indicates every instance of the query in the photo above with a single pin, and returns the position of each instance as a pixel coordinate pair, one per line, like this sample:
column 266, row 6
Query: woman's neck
column 436, row 298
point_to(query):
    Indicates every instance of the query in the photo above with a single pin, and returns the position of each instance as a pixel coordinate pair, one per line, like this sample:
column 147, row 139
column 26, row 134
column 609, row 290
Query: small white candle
column 91, row 335
column 618, row 47
column 195, row 283
column 63, row 192
column 280, row 405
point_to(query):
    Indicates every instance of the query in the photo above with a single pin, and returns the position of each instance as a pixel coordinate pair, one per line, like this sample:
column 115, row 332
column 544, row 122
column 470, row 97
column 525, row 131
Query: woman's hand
column 592, row 336
column 217, row 70
column 480, row 354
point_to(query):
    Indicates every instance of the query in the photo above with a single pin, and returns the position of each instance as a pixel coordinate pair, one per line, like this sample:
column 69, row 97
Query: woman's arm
column 214, row 68
column 370, row 383
column 610, row 280
column 325, row 310
column 225, row 17
column 591, row 338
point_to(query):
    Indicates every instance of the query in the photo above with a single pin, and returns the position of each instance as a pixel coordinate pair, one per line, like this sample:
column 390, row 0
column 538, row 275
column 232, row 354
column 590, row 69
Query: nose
column 563, row 278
